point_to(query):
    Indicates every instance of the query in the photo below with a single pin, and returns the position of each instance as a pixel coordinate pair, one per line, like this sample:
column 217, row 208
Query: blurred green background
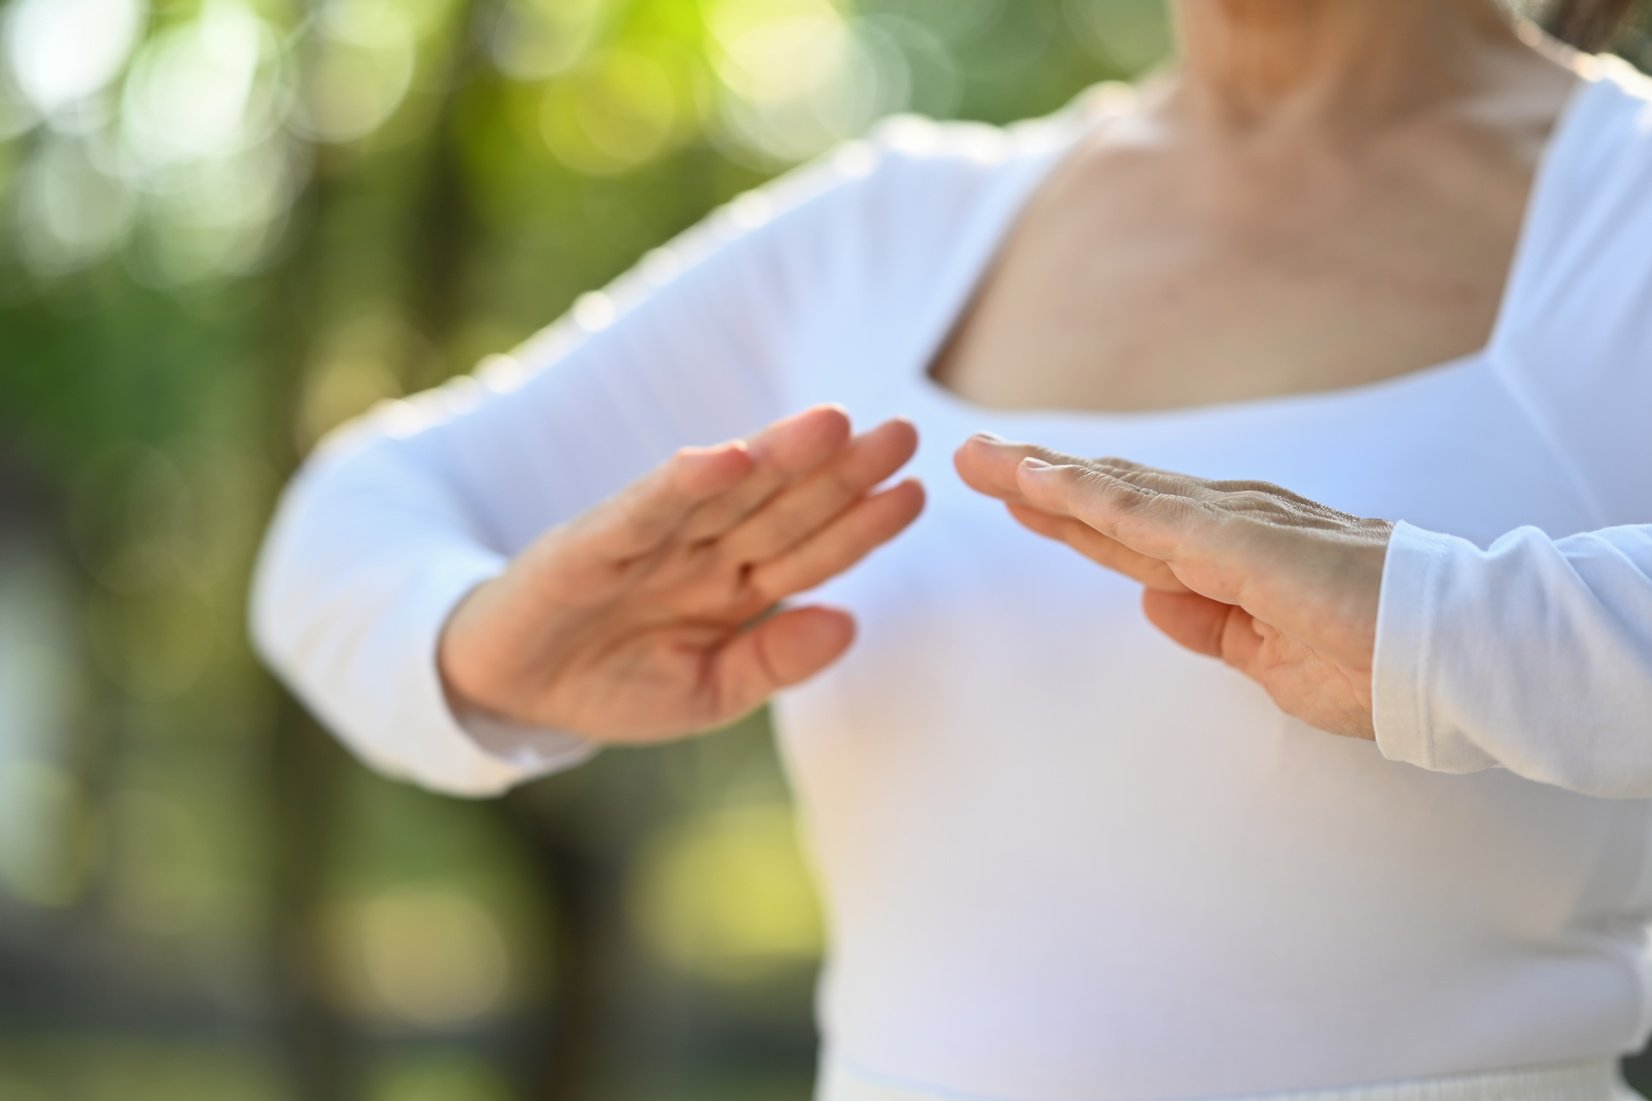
column 228, row 226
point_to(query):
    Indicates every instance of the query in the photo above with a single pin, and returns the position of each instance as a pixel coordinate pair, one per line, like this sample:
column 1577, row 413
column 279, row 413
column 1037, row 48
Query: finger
column 799, row 511
column 840, row 544
column 1099, row 548
column 782, row 453
column 649, row 511
column 1147, row 520
column 987, row 464
column 782, row 650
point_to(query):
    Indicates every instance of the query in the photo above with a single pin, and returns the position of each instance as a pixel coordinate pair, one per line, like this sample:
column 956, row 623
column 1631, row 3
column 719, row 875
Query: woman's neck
column 1245, row 63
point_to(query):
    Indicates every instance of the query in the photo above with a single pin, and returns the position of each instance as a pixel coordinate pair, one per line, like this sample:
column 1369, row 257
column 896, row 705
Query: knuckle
column 1129, row 475
column 1252, row 499
column 1129, row 495
column 1254, row 489
column 1097, row 486
column 1149, row 481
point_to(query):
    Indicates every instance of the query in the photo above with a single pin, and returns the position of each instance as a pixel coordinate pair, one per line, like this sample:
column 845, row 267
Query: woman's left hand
column 1281, row 588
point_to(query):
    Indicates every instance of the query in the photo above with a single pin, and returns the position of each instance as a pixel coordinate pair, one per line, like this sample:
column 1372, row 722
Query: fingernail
column 990, row 437
column 1035, row 466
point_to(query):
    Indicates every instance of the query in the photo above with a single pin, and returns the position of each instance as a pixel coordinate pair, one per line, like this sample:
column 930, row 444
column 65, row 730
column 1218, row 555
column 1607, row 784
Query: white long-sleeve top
column 1061, row 859
column 1533, row 655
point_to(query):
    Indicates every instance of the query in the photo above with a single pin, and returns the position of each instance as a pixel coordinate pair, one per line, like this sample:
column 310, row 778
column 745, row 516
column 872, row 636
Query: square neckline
column 990, row 241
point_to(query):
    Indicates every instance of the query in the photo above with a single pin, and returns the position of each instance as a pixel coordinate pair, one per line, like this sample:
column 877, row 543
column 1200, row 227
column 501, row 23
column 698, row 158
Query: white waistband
column 1583, row 1081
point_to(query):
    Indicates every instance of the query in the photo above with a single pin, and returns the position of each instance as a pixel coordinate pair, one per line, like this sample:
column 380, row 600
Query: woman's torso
column 1064, row 860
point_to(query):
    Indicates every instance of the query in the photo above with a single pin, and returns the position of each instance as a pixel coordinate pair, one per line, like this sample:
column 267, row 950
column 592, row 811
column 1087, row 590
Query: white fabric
column 1582, row 1081
column 1061, row 859
column 1533, row 655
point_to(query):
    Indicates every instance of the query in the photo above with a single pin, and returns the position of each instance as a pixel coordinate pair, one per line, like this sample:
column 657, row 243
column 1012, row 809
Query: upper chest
column 1149, row 279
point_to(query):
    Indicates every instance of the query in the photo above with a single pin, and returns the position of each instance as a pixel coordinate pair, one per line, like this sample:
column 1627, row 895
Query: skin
column 1279, row 587
column 641, row 619
column 1319, row 194
column 1322, row 195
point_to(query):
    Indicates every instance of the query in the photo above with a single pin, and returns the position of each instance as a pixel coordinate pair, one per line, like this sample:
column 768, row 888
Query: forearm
column 362, row 566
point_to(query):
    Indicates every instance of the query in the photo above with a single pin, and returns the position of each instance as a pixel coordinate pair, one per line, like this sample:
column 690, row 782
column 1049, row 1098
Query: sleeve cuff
column 467, row 753
column 1405, row 630
column 1416, row 635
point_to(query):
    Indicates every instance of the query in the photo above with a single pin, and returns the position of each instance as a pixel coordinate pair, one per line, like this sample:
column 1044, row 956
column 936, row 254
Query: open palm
column 651, row 616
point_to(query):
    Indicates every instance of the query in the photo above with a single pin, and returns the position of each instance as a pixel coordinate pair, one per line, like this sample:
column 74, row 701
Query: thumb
column 1205, row 626
column 782, row 650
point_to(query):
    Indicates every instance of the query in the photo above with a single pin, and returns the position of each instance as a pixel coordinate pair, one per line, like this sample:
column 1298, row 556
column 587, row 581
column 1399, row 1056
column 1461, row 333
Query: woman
column 1062, row 859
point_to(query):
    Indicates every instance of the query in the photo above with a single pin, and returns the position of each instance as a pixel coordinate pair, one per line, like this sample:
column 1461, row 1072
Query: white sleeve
column 1534, row 655
column 401, row 513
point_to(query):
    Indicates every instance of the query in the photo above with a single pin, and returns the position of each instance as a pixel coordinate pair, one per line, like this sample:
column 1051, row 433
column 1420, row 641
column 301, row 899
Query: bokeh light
column 71, row 213
column 62, row 51
column 418, row 955
column 798, row 76
column 201, row 89
column 361, row 69
column 533, row 40
column 615, row 113
column 726, row 896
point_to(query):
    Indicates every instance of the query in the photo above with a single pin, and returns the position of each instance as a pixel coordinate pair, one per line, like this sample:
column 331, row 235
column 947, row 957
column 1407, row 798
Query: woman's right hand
column 641, row 620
